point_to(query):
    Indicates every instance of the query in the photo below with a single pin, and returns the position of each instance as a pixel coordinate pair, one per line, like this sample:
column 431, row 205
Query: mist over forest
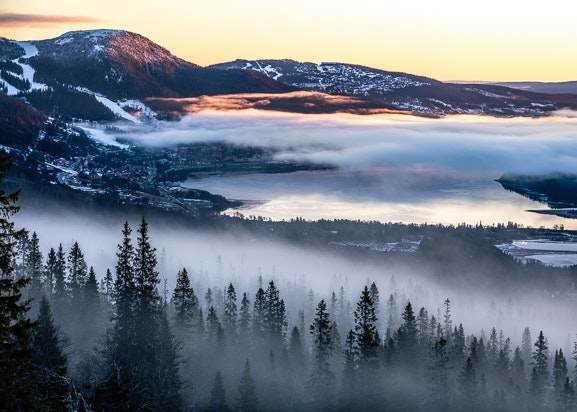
column 269, row 315
column 139, row 308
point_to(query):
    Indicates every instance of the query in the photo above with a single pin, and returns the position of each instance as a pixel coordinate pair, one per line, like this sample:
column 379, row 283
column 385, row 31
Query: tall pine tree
column 49, row 364
column 321, row 383
column 15, row 326
column 185, row 303
column 247, row 400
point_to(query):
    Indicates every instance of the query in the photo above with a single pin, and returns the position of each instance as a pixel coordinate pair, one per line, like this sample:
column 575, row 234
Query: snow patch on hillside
column 116, row 109
column 102, row 137
column 10, row 90
column 143, row 109
column 30, row 50
column 93, row 35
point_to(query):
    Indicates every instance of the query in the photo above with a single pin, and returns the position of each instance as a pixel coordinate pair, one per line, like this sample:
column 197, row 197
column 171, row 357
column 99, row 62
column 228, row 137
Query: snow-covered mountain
column 403, row 91
column 93, row 74
column 333, row 78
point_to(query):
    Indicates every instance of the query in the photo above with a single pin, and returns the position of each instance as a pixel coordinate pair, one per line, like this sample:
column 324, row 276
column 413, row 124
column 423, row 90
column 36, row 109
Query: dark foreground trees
column 413, row 361
column 16, row 393
column 49, row 365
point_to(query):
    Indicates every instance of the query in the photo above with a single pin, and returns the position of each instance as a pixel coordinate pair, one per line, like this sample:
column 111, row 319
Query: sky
column 490, row 40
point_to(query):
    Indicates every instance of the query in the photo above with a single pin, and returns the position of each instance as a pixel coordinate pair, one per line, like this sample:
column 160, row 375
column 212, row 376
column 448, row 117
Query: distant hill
column 543, row 87
column 557, row 190
column 402, row 91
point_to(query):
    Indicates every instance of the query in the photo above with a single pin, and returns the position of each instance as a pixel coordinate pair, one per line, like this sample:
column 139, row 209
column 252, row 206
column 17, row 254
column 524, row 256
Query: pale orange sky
column 490, row 40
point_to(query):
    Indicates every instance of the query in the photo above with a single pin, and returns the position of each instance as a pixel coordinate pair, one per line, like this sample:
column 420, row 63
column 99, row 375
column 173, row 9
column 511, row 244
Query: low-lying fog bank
column 216, row 258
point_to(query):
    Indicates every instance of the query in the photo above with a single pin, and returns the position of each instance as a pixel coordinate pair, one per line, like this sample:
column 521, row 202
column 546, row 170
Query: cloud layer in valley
column 459, row 145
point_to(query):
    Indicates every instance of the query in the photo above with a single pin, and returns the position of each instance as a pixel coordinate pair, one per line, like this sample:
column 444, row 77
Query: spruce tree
column 559, row 375
column 107, row 287
column 91, row 324
column 15, row 327
column 34, row 266
column 247, row 400
column 375, row 296
column 90, row 294
column 492, row 347
column 439, row 376
column 349, row 382
column 212, row 325
column 166, row 378
column 540, row 371
column 217, row 396
column 185, row 303
column 274, row 321
column 296, row 352
column 229, row 317
column 366, row 335
column 408, row 334
column 518, row 370
column 423, row 328
column 321, row 383
column 244, row 321
column 447, row 322
column 49, row 364
column 468, row 391
column 526, row 345
column 77, row 273
column 367, row 344
column 258, row 315
column 567, row 400
column 60, row 293
column 116, row 387
column 124, row 293
column 50, row 272
column 146, row 279
column 208, row 298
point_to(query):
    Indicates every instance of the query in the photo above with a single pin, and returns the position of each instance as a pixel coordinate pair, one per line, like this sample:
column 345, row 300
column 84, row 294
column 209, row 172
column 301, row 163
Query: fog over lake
column 390, row 168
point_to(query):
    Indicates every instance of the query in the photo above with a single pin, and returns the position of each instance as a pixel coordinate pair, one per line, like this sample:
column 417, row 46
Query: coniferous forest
column 72, row 339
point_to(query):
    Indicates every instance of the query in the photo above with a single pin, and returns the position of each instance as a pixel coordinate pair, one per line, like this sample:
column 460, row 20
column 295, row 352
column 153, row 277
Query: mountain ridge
column 418, row 94
column 102, row 74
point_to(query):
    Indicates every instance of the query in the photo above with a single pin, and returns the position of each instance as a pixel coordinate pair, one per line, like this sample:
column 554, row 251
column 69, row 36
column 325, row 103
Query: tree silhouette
column 49, row 364
column 15, row 327
column 322, row 379
column 247, row 400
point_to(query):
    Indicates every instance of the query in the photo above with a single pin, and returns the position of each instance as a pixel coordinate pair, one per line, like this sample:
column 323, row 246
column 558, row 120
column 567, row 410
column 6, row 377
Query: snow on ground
column 102, row 137
column 550, row 253
column 557, row 260
column 63, row 40
column 137, row 104
column 546, row 245
column 63, row 169
column 269, row 69
column 30, row 50
column 116, row 109
column 11, row 90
